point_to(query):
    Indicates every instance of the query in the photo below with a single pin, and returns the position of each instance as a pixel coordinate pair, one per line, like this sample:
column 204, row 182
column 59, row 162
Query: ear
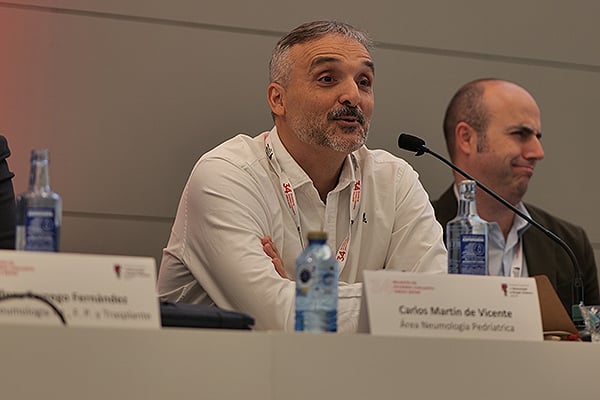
column 275, row 97
column 466, row 138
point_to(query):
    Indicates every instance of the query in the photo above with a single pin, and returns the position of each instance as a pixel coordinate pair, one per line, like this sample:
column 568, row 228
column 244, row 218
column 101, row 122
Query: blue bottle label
column 40, row 229
column 473, row 257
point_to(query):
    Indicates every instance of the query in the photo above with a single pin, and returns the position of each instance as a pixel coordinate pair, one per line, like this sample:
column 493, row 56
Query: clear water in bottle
column 467, row 235
column 39, row 210
column 316, row 286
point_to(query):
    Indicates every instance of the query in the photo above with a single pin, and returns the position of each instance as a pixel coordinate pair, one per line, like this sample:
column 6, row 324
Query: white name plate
column 86, row 290
column 460, row 306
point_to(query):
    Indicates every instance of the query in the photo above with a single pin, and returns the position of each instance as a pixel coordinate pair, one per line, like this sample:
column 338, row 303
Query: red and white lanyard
column 292, row 205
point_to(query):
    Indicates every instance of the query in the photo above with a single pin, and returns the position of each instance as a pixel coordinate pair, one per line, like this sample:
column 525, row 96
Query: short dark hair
column 279, row 65
column 467, row 106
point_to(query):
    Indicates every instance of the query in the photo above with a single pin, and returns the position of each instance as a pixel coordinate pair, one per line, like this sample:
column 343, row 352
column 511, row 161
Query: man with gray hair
column 249, row 203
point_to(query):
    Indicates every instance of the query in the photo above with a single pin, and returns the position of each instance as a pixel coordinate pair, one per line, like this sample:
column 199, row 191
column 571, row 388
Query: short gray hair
column 280, row 64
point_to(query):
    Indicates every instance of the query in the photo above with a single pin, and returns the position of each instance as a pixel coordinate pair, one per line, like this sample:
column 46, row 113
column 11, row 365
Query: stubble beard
column 510, row 185
column 513, row 186
column 313, row 130
column 521, row 185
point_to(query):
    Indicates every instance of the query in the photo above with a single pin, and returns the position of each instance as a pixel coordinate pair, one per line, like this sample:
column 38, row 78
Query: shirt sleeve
column 417, row 243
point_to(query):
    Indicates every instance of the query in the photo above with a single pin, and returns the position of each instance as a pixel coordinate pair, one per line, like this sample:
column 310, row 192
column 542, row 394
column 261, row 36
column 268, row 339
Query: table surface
column 76, row 363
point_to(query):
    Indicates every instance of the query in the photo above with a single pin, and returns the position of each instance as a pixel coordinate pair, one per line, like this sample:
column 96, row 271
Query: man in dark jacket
column 493, row 129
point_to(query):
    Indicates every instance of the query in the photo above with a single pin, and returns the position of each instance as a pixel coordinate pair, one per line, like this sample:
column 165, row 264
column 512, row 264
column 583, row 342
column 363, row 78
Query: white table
column 86, row 363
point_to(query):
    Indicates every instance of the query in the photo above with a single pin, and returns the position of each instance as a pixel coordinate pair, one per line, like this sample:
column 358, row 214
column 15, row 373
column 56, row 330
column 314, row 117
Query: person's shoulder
column 445, row 206
column 242, row 148
column 554, row 223
column 446, row 198
column 380, row 157
column 382, row 166
column 240, row 158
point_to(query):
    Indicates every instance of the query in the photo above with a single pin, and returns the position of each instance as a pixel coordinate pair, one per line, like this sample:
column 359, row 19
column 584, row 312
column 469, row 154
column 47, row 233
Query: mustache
column 347, row 111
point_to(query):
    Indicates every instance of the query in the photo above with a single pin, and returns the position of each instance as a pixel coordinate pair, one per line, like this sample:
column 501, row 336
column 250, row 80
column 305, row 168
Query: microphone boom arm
column 578, row 280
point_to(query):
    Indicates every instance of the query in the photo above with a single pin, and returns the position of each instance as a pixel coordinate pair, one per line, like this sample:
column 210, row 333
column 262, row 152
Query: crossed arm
column 271, row 251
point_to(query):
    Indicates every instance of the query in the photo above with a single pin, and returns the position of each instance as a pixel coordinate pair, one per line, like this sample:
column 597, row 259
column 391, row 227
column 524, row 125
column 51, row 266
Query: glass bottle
column 39, row 210
column 467, row 235
column 316, row 286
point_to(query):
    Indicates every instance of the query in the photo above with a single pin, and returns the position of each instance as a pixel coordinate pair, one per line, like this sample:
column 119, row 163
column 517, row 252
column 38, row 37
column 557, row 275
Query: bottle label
column 316, row 291
column 41, row 233
column 473, row 255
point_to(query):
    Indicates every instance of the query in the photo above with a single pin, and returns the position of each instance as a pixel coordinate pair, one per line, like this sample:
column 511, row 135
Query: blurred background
column 128, row 94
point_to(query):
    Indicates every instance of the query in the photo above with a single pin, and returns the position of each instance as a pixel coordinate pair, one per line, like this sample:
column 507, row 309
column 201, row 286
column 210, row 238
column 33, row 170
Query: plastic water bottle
column 39, row 210
column 467, row 235
column 316, row 286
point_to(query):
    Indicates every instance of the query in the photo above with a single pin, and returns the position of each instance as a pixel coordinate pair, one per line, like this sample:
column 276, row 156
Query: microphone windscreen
column 410, row 142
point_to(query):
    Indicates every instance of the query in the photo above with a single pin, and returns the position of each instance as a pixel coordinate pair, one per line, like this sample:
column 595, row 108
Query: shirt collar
column 519, row 225
column 299, row 177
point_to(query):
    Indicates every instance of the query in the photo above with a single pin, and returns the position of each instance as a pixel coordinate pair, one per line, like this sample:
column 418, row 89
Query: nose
column 534, row 149
column 350, row 94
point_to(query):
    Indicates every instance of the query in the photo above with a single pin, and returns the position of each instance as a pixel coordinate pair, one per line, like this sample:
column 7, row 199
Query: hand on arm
column 270, row 250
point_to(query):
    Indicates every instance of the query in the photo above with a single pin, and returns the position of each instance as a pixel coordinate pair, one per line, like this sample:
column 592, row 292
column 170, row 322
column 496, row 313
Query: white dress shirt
column 506, row 256
column 234, row 197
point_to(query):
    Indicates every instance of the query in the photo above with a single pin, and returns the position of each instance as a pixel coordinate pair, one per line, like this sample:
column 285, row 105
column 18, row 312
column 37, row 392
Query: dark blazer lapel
column 445, row 207
column 538, row 255
column 544, row 257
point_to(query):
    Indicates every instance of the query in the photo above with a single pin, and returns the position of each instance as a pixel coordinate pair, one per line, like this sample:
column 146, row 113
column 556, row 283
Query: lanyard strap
column 292, row 205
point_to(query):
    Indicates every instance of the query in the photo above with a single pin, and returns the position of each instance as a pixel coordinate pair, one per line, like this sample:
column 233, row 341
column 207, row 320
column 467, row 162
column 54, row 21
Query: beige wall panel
column 126, row 108
column 106, row 235
column 536, row 30
column 128, row 94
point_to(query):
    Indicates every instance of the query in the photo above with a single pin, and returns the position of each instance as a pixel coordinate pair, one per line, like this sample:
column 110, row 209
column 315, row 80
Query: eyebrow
column 328, row 59
column 526, row 129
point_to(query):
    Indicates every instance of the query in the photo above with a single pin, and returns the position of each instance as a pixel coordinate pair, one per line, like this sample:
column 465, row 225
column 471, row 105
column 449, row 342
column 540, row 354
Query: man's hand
column 270, row 250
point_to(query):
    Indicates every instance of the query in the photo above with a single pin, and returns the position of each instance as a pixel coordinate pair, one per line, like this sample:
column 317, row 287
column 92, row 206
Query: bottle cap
column 467, row 188
column 317, row 235
column 39, row 155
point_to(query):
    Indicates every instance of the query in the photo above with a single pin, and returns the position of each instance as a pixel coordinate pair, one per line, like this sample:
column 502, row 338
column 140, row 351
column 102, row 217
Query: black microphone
column 416, row 144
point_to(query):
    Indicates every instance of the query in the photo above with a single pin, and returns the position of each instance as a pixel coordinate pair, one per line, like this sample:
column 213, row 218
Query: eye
column 366, row 82
column 526, row 134
column 326, row 79
column 523, row 136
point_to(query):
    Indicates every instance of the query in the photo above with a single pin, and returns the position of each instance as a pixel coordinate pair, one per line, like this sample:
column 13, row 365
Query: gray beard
column 313, row 132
